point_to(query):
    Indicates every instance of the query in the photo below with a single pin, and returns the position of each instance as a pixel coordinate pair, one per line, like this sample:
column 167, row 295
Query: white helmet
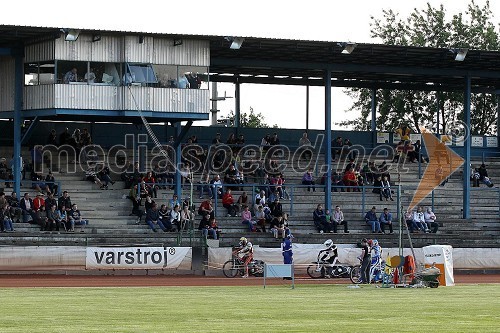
column 328, row 243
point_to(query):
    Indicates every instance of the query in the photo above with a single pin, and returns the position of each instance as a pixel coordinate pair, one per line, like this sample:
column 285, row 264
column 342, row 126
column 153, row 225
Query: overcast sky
column 312, row 20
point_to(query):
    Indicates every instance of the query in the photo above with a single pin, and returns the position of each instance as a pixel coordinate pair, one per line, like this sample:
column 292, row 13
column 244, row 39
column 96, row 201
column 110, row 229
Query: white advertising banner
column 382, row 137
column 477, row 141
column 138, row 258
column 440, row 256
column 415, row 137
column 492, row 142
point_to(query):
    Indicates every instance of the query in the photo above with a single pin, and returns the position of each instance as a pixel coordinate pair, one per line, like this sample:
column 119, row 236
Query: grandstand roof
column 300, row 62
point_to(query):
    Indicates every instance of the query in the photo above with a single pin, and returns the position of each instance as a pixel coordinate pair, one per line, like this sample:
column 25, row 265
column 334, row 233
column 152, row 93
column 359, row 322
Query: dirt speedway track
column 24, row 281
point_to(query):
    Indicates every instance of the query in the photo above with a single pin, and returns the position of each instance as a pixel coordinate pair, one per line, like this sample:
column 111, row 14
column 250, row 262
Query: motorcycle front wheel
column 230, row 268
column 356, row 274
column 311, row 271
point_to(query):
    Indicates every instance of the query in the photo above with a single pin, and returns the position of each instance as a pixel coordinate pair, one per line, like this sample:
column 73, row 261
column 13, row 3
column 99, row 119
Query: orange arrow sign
column 442, row 163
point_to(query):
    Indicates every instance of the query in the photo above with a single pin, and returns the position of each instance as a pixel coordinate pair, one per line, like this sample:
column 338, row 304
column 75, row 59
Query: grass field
column 307, row 308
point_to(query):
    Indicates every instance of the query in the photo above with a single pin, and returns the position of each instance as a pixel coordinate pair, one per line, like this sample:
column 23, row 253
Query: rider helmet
column 243, row 240
column 374, row 242
column 328, row 243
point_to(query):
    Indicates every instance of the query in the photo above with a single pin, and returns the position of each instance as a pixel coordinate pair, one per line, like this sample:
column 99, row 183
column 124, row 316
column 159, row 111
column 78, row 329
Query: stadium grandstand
column 100, row 110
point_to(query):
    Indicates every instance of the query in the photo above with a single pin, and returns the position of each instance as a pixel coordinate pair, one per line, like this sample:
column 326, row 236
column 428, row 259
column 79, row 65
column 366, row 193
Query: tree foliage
column 430, row 27
column 250, row 119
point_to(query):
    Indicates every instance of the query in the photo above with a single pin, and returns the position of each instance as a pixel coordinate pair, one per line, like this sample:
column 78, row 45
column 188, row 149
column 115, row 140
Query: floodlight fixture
column 347, row 47
column 459, row 54
column 70, row 35
column 236, row 42
column 96, row 38
column 177, row 41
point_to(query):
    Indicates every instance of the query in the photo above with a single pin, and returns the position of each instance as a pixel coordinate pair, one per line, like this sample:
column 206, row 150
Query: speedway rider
column 328, row 257
column 245, row 252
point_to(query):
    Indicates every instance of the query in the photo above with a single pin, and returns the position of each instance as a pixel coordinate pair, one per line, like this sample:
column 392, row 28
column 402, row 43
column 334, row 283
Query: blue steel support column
column 374, row 117
column 237, row 109
column 328, row 138
column 467, row 142
column 18, row 102
column 178, row 159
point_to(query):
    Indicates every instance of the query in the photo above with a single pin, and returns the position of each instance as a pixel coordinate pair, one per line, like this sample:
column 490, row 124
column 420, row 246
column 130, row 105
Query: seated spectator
column 216, row 187
column 91, row 175
column 274, row 140
column 277, row 184
column 53, row 219
column 14, row 207
column 228, row 203
column 350, row 180
column 439, row 175
column 260, row 217
column 173, row 202
column 150, row 183
column 385, row 189
column 386, row 220
column 186, row 175
column 337, row 183
column 49, row 202
column 372, row 220
column 206, row 228
column 64, row 201
column 136, row 203
column 319, row 219
column 214, row 226
column 187, row 218
column 38, row 202
column 50, row 182
column 307, row 179
column 75, row 218
column 27, row 205
column 276, row 208
column 277, row 227
column 246, row 219
column 206, row 208
column 367, row 172
column 328, row 220
column 5, row 219
column 262, row 197
column 418, row 219
column 338, row 219
column 337, row 145
column 441, row 152
column 377, row 186
column 104, row 176
column 265, row 143
column 430, row 220
column 216, row 140
column 265, row 185
column 231, row 140
column 153, row 219
column 37, row 182
column 174, row 220
column 483, row 176
column 410, row 224
column 243, row 200
column 232, row 177
column 40, row 218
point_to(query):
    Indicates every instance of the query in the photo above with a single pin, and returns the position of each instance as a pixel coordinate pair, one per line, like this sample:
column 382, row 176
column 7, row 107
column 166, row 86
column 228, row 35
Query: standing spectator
column 338, row 219
column 366, row 260
column 274, row 141
column 246, row 219
column 64, row 137
column 75, row 218
column 85, row 139
column 308, row 180
column 386, row 219
column 52, row 139
column 418, row 218
column 153, row 219
column 430, row 220
column 286, row 250
column 136, row 203
column 372, row 220
column 319, row 219
column 305, row 147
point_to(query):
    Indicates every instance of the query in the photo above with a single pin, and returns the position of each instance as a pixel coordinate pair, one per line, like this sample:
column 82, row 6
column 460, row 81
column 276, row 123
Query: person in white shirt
column 418, row 218
column 430, row 220
column 90, row 76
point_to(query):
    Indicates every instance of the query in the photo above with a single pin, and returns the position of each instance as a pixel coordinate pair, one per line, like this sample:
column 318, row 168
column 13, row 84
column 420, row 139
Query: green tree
column 250, row 119
column 429, row 27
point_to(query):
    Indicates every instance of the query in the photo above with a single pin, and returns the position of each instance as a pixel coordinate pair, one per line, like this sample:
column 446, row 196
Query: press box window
column 142, row 74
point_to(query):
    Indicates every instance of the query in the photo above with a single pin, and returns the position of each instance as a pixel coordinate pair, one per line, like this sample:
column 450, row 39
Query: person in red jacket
column 350, row 179
column 38, row 202
column 228, row 203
